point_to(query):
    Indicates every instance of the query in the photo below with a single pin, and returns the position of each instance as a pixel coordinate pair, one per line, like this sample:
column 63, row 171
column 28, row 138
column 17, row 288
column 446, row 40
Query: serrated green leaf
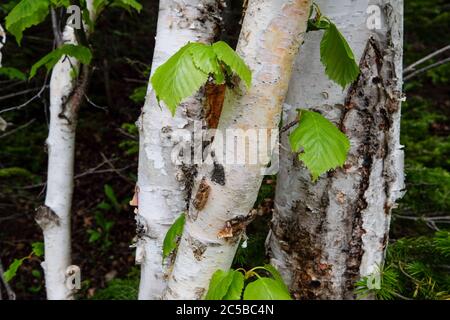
column 175, row 231
column 11, row 272
column 266, row 289
column 178, row 78
column 228, row 56
column 13, row 73
column 205, row 59
column 25, row 14
column 78, row 52
column 235, row 288
column 38, row 248
column 337, row 57
column 225, row 285
column 325, row 147
column 276, row 275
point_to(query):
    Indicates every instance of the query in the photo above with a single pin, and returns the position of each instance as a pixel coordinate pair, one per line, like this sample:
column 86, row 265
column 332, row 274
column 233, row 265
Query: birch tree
column 2, row 42
column 328, row 234
column 66, row 95
column 70, row 62
column 164, row 187
column 223, row 194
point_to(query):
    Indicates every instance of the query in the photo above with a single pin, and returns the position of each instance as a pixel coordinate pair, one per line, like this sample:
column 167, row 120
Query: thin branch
column 94, row 104
column 38, row 95
column 413, row 66
column 289, row 125
column 20, row 93
column 17, row 129
column 117, row 171
column 431, row 66
column 129, row 135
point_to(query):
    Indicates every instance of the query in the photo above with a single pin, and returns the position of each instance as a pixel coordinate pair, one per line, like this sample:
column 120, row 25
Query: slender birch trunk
column 225, row 193
column 2, row 42
column 328, row 234
column 66, row 95
column 163, row 187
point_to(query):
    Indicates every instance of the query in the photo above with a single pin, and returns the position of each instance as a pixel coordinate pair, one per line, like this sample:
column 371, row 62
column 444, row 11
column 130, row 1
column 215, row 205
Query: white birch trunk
column 269, row 40
column 2, row 42
column 164, row 187
column 328, row 234
column 54, row 217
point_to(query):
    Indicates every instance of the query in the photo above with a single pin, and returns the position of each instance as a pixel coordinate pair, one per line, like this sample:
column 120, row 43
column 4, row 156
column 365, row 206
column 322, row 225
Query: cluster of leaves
column 37, row 250
column 415, row 268
column 190, row 67
column 28, row 13
column 236, row 285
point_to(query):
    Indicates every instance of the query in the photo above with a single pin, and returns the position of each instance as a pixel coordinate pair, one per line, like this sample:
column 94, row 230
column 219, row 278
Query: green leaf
column 25, row 14
column 266, row 289
column 236, row 286
column 99, row 5
column 205, row 59
column 324, row 146
column 178, row 78
column 12, row 269
column 276, row 275
column 13, row 73
column 225, row 285
column 175, row 231
column 94, row 235
column 60, row 3
column 111, row 195
column 78, row 52
column 128, row 4
column 38, row 249
column 337, row 57
column 228, row 56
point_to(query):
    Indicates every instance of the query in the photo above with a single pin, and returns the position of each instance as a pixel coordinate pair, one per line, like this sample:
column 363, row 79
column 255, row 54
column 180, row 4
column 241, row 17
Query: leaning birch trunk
column 225, row 193
column 54, row 217
column 163, row 187
column 328, row 234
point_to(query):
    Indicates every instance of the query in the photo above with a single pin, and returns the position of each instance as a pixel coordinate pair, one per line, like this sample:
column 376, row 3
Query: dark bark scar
column 202, row 195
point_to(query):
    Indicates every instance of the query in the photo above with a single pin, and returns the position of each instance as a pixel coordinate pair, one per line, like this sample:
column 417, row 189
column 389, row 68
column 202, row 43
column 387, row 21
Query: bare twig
column 413, row 66
column 38, row 95
column 422, row 70
column 20, row 93
column 94, row 104
column 129, row 135
column 117, row 171
column 17, row 129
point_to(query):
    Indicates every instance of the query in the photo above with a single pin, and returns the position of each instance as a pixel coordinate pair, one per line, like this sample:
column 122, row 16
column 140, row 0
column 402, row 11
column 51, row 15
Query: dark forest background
column 418, row 263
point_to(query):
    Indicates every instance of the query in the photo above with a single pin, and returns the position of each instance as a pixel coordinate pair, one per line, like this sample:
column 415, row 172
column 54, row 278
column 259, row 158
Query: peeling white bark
column 269, row 40
column 328, row 234
column 54, row 218
column 164, row 187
